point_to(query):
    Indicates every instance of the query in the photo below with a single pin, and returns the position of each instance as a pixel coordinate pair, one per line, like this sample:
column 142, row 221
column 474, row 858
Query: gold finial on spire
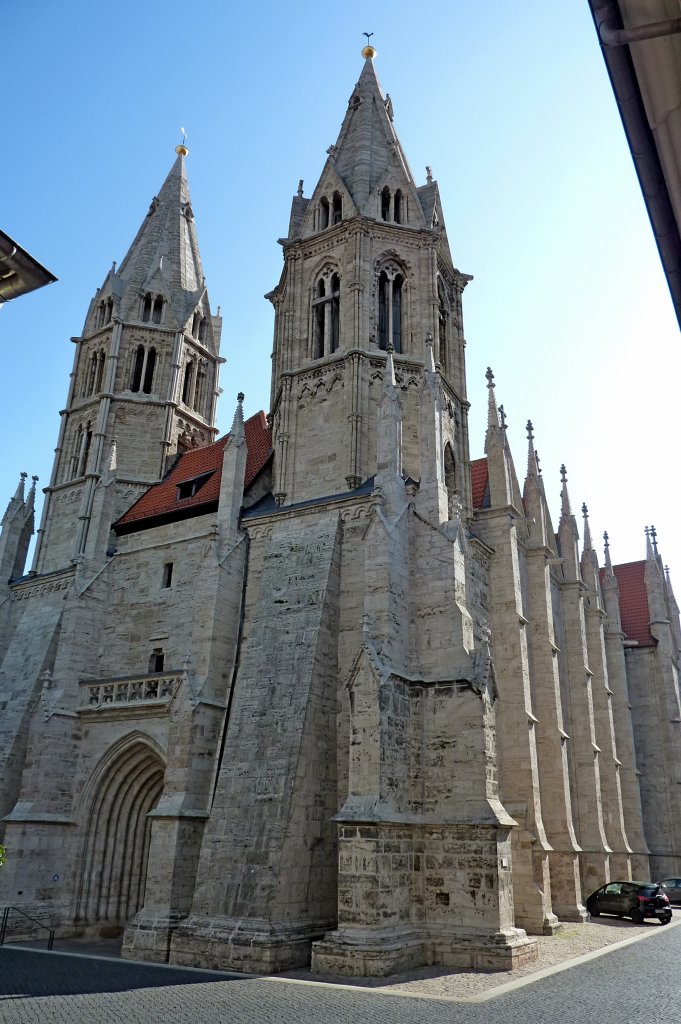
column 369, row 50
column 182, row 150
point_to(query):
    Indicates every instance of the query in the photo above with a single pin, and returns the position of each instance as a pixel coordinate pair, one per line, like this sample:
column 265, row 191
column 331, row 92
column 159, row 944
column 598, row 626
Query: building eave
column 657, row 175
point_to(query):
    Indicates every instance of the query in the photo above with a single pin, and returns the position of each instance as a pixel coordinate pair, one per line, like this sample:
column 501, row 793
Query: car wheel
column 636, row 916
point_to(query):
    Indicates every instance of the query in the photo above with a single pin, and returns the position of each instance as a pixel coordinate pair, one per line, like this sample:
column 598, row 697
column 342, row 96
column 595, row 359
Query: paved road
column 640, row 984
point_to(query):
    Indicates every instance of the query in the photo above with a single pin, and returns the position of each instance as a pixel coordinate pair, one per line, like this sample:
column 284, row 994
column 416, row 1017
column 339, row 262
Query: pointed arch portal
column 116, row 847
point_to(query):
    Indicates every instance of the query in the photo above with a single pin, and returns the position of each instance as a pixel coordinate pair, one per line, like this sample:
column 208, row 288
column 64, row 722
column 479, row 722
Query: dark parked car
column 672, row 887
column 636, row 900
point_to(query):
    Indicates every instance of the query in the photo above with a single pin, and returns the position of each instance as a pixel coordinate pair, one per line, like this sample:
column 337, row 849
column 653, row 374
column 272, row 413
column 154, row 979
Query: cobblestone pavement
column 639, row 983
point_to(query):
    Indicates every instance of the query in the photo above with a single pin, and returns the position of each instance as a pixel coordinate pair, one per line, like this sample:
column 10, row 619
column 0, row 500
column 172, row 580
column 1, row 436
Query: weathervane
column 369, row 51
column 182, row 150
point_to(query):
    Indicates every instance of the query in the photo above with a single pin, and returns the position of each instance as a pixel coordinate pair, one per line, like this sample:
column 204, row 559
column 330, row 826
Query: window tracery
column 326, row 314
column 390, row 307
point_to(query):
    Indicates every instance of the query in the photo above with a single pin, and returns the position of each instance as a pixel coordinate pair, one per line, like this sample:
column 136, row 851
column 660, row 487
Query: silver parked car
column 672, row 887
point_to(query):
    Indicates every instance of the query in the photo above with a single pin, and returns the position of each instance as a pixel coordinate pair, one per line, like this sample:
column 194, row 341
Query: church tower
column 367, row 268
column 143, row 385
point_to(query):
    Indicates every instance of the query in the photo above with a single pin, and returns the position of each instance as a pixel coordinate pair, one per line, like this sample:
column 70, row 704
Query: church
column 324, row 691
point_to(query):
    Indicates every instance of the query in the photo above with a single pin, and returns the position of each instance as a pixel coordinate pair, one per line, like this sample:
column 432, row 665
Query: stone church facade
column 324, row 689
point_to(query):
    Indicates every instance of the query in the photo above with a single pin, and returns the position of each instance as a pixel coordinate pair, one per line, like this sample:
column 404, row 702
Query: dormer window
column 189, row 488
column 203, row 327
column 397, row 207
column 337, row 208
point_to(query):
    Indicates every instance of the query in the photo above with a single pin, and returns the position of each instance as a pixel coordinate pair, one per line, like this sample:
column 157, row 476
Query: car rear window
column 649, row 890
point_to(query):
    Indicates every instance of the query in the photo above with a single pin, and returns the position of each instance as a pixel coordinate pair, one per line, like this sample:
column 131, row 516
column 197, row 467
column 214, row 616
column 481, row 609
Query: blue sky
column 511, row 106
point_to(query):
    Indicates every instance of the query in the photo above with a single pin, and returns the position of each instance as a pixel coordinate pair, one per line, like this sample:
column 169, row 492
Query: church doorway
column 126, row 787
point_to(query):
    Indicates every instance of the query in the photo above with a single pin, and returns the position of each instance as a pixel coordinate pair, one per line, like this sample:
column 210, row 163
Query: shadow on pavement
column 27, row 973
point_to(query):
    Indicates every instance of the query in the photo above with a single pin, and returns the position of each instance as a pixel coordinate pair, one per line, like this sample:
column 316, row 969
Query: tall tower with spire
column 143, row 385
column 367, row 268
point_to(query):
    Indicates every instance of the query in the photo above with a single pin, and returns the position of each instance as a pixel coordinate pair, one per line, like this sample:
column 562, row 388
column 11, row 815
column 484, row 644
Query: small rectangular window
column 167, row 575
column 156, row 660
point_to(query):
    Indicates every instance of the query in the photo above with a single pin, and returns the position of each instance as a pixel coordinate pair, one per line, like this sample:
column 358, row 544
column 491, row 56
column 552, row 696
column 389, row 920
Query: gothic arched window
column 390, row 282
column 442, row 317
column 200, row 393
column 85, row 439
column 92, row 376
column 337, row 208
column 385, row 204
column 147, row 306
column 188, row 381
column 323, row 213
column 319, row 321
column 138, row 366
column 149, row 371
column 157, row 311
column 450, row 476
column 75, row 452
column 398, row 207
column 101, row 360
column 326, row 316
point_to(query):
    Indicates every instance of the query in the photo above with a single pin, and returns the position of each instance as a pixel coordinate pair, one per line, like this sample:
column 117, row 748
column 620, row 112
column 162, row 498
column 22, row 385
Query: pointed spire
column 237, row 434
column 650, row 555
column 16, row 501
column 608, row 562
column 30, row 501
column 565, row 509
column 389, row 379
column 492, row 413
column 653, row 538
column 367, row 144
column 164, row 256
column 587, row 531
column 532, row 459
column 19, row 493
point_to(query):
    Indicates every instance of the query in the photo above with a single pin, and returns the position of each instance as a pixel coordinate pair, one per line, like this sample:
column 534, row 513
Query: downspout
column 624, row 36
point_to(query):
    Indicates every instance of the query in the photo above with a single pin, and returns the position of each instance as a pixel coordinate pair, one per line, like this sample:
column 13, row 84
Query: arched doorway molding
column 125, row 786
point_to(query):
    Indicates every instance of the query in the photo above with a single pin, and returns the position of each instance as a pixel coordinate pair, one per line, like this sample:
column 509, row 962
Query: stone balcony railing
column 155, row 689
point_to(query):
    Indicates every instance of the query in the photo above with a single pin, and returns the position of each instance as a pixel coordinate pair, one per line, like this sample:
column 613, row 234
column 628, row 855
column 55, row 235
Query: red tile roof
column 480, row 483
column 634, row 602
column 161, row 501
